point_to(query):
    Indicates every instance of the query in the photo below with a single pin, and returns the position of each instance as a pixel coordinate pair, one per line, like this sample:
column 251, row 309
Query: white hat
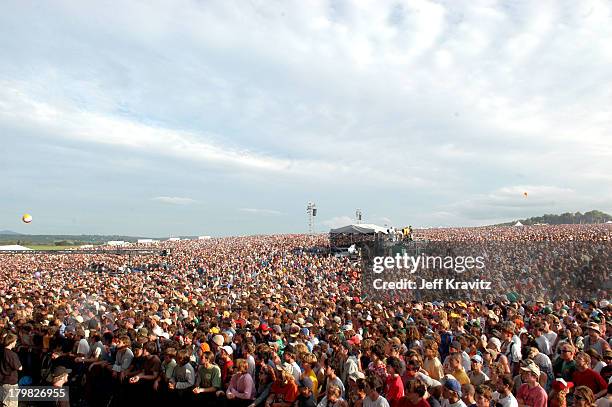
column 496, row 342
column 228, row 349
column 218, row 340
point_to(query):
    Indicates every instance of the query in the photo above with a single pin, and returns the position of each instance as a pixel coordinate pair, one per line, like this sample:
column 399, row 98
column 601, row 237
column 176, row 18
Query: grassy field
column 49, row 247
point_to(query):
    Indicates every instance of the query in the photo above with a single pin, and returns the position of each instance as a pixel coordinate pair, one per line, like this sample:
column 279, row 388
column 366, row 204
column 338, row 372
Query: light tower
column 358, row 215
column 311, row 211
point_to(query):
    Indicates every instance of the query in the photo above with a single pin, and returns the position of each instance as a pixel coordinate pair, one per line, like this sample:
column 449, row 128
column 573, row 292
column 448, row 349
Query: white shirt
column 83, row 347
column 508, row 401
column 543, row 345
column 379, row 402
column 551, row 336
column 446, row 403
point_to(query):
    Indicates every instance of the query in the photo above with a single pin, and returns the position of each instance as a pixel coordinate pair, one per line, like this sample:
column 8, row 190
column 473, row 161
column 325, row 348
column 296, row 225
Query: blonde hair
column 241, row 365
column 586, row 393
column 333, row 390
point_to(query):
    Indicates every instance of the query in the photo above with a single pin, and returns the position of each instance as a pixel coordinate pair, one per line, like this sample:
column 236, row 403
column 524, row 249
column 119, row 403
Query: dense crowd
column 272, row 321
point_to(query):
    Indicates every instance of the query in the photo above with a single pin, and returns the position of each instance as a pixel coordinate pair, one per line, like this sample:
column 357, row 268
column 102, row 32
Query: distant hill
column 8, row 237
column 60, row 240
column 567, row 218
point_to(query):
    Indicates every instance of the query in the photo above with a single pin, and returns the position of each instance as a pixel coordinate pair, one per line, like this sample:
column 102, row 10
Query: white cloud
column 174, row 200
column 260, row 211
column 459, row 104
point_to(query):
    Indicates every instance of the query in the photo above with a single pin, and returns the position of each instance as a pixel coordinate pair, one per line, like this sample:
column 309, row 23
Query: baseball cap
column 356, row 375
column 228, row 349
column 560, row 384
column 531, row 367
column 306, row 382
column 453, row 385
column 476, row 358
column 218, row 340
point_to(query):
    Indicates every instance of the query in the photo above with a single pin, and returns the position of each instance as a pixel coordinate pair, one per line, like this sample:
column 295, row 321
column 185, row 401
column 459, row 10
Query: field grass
column 49, row 247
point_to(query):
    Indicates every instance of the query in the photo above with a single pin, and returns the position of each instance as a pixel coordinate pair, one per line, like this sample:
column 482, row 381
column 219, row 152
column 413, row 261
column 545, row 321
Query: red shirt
column 404, row 402
column 226, row 368
column 286, row 393
column 394, row 390
column 533, row 397
column 591, row 379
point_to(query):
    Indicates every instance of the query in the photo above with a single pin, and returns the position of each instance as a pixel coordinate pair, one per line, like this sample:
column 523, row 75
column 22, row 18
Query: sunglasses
column 579, row 397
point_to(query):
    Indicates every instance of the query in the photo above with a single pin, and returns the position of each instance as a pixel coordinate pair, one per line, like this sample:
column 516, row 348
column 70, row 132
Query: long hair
column 8, row 339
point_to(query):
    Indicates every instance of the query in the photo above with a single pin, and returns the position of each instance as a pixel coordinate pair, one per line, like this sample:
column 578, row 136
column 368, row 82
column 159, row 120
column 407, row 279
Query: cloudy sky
column 224, row 118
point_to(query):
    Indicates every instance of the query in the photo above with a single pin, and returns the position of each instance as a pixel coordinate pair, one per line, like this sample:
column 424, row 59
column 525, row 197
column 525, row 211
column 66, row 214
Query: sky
column 171, row 118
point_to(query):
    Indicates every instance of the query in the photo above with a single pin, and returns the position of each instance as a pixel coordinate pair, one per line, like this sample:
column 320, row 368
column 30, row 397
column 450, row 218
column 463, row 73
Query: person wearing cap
column 58, row 378
column 543, row 362
column 503, row 396
column 585, row 376
column 226, row 364
column 530, row 393
column 451, row 393
column 476, row 375
column 594, row 340
column 289, row 357
column 283, row 392
column 557, row 397
column 495, row 344
column 305, row 396
column 208, row 379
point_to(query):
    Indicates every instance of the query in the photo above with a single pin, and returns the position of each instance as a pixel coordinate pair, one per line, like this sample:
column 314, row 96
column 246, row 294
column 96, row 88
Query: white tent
column 518, row 223
column 13, row 247
column 360, row 229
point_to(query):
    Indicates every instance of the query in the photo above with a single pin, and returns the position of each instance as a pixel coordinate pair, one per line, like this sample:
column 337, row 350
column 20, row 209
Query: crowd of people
column 268, row 321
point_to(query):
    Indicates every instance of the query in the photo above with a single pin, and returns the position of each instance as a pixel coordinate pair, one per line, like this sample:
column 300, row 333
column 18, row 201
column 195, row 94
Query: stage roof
column 360, row 229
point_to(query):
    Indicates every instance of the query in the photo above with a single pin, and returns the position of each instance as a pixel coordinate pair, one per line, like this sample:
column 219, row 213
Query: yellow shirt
column 461, row 377
column 434, row 368
column 315, row 383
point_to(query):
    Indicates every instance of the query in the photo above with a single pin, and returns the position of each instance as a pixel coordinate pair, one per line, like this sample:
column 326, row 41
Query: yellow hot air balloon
column 27, row 218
